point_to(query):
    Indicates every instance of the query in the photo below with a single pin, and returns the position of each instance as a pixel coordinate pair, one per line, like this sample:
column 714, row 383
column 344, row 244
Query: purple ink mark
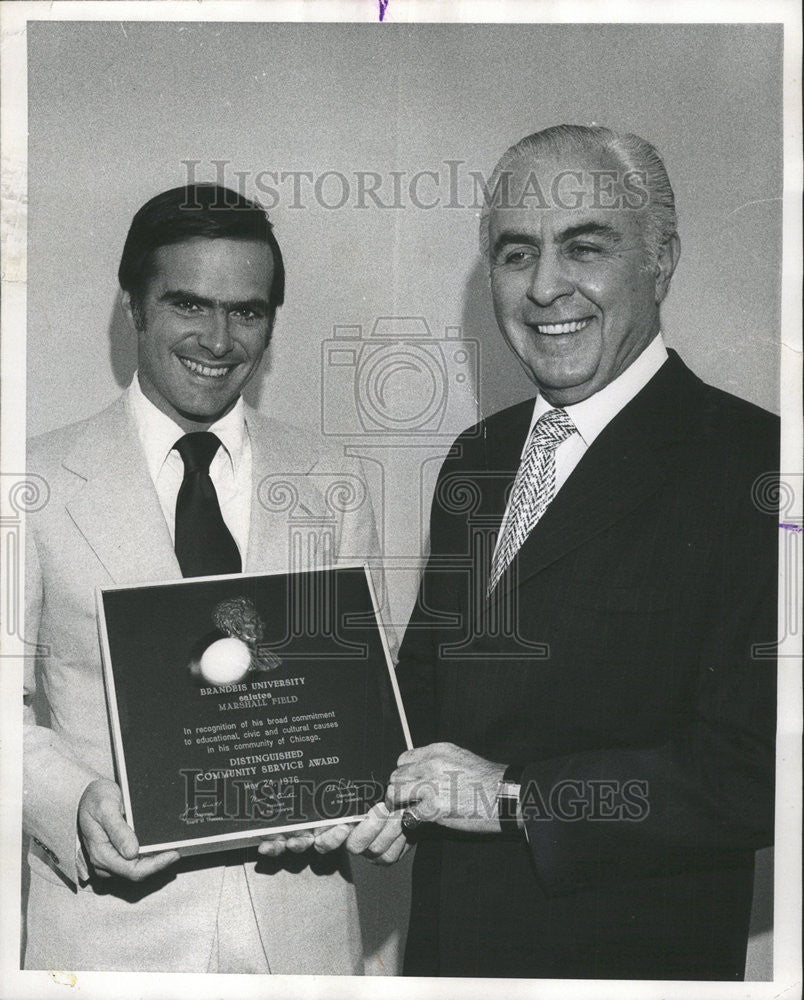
column 383, row 5
column 791, row 527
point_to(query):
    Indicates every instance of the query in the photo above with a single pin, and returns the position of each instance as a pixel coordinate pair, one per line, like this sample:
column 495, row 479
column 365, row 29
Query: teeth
column 199, row 369
column 573, row 326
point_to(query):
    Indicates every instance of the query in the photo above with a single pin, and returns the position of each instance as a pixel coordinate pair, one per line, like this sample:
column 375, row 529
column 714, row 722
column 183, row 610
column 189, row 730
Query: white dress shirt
column 591, row 415
column 230, row 470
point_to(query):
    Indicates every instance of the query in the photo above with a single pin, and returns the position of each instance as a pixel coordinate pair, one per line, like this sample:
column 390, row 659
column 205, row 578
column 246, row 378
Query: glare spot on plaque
column 234, row 648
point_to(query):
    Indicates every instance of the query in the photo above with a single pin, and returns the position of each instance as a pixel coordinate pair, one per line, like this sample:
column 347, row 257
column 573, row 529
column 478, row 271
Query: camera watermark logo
column 395, row 379
column 395, row 393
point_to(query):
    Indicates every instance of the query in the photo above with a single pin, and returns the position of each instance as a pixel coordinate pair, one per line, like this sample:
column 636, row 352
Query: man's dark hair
column 206, row 211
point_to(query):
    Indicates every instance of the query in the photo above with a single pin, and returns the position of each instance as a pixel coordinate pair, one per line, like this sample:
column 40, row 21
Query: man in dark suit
column 591, row 705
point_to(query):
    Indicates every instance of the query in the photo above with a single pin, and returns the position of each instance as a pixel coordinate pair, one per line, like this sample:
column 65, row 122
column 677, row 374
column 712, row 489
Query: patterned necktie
column 534, row 488
column 204, row 545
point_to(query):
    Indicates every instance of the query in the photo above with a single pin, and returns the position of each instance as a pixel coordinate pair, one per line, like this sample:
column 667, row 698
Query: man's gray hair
column 630, row 152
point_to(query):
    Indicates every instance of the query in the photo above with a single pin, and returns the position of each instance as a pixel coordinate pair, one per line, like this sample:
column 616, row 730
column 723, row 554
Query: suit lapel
column 623, row 467
column 282, row 489
column 502, row 454
column 117, row 510
column 612, row 479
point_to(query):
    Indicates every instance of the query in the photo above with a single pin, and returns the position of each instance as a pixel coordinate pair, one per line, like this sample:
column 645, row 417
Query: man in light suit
column 588, row 672
column 202, row 277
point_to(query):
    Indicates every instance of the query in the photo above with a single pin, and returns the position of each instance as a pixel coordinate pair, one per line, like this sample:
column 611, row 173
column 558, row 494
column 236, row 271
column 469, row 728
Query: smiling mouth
column 570, row 326
column 208, row 371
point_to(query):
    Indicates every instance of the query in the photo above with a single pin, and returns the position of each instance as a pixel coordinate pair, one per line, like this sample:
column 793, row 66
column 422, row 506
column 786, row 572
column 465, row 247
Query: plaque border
column 245, row 838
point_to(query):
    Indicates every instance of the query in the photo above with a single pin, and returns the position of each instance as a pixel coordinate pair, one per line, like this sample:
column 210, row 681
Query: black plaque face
column 309, row 735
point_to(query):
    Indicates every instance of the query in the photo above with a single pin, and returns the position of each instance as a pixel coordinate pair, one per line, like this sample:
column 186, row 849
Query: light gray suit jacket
column 102, row 524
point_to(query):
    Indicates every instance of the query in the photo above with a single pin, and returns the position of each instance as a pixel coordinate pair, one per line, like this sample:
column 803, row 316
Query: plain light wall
column 116, row 109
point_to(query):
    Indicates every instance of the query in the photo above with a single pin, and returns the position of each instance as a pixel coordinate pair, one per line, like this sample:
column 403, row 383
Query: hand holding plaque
column 109, row 843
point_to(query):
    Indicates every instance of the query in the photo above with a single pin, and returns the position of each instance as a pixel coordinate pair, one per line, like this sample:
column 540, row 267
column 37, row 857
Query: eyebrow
column 509, row 236
column 179, row 295
column 590, row 229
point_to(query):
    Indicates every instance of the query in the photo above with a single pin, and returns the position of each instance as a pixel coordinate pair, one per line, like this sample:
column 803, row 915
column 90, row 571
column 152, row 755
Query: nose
column 549, row 280
column 215, row 334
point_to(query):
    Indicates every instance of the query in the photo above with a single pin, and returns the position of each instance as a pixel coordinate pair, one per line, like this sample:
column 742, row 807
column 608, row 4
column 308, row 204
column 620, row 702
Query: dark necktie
column 204, row 545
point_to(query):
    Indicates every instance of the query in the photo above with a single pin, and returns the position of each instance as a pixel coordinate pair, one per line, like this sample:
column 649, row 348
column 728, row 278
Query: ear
column 128, row 311
column 665, row 266
column 270, row 332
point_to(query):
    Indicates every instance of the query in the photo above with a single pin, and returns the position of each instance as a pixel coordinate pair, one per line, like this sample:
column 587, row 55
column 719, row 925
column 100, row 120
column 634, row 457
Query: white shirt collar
column 158, row 433
column 591, row 415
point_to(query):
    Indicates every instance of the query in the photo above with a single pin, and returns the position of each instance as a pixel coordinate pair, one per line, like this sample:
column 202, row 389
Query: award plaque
column 247, row 705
